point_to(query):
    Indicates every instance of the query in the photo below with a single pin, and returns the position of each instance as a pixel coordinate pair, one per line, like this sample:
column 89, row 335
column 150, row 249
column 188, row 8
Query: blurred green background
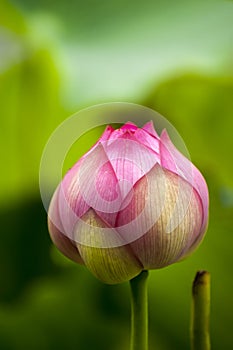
column 57, row 57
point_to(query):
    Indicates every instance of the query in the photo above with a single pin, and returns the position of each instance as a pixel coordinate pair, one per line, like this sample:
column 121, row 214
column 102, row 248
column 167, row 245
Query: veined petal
column 71, row 204
column 149, row 141
column 130, row 159
column 110, row 265
column 176, row 162
column 137, row 217
column 61, row 241
column 98, row 185
column 164, row 242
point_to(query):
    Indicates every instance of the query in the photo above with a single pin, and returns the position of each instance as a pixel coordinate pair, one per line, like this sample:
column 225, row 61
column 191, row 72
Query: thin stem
column 139, row 312
column 200, row 312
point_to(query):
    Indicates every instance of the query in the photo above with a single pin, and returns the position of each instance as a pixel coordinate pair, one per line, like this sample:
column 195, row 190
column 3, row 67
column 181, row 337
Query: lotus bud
column 133, row 202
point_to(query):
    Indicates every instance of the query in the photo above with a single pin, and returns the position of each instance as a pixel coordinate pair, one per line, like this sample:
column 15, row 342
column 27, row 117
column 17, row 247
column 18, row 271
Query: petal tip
column 149, row 127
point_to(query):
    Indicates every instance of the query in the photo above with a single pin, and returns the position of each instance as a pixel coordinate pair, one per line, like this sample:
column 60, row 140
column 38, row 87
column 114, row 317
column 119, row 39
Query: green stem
column 200, row 312
column 139, row 312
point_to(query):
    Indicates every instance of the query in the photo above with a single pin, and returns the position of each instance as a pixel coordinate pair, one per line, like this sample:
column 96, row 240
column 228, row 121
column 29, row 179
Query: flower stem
column 139, row 312
column 200, row 312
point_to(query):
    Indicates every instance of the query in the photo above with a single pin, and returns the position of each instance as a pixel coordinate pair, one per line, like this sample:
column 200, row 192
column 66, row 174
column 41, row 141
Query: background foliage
column 57, row 57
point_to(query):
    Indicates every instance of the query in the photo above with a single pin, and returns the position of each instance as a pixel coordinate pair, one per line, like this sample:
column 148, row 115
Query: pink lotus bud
column 132, row 203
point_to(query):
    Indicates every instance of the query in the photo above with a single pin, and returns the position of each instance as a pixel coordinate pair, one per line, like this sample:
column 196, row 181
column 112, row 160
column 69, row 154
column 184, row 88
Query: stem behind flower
column 200, row 339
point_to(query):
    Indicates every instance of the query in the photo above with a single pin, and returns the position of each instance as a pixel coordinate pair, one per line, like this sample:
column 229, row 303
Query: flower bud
column 132, row 202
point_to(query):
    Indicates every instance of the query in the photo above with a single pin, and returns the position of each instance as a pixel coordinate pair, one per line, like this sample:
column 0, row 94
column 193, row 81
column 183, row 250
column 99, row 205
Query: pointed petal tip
column 149, row 127
column 107, row 133
column 164, row 135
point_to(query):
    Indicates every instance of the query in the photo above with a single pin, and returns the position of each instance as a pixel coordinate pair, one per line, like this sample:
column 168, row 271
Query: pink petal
column 126, row 133
column 71, row 203
column 130, row 160
column 148, row 140
column 106, row 134
column 176, row 162
column 147, row 223
column 56, row 230
column 104, row 137
column 149, row 127
column 129, row 126
column 98, row 185
column 140, row 214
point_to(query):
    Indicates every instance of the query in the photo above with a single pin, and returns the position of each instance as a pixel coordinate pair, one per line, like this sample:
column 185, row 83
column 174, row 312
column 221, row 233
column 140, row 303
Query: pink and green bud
column 131, row 203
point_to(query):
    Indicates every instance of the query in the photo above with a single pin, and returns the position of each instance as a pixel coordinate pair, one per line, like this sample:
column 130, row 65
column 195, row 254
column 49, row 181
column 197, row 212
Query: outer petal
column 71, row 204
column 163, row 198
column 110, row 265
column 61, row 241
column 93, row 183
column 138, row 215
column 175, row 161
